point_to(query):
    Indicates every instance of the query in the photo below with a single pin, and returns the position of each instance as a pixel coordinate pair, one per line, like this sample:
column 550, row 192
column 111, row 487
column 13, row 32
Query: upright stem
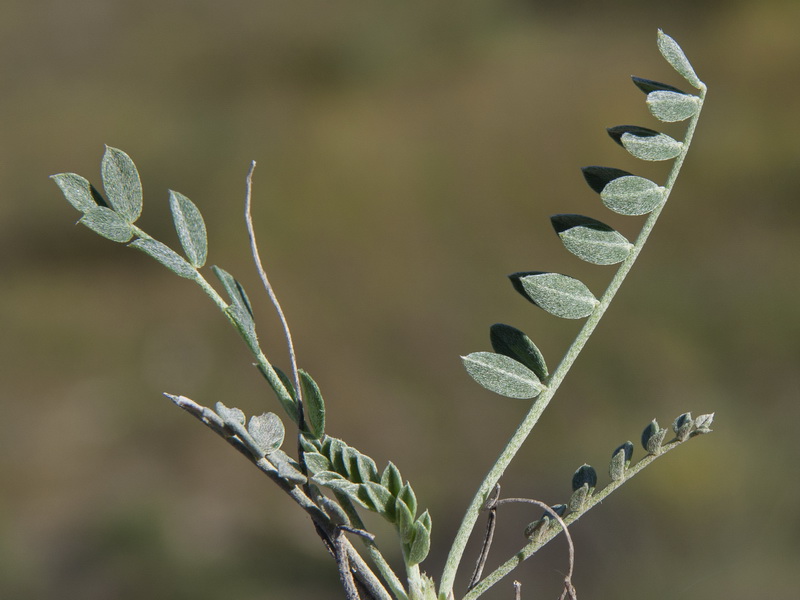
column 540, row 404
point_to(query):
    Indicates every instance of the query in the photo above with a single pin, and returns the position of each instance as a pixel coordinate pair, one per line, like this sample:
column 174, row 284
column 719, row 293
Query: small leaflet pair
column 516, row 368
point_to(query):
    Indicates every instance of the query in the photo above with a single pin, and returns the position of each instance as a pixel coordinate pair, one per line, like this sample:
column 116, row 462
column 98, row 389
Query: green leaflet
column 235, row 290
column 342, row 468
column 502, row 375
column 289, row 401
column 632, row 195
column 267, row 430
column 190, row 227
column 513, row 343
column 644, row 143
column 239, row 309
column 391, row 479
column 166, row 256
column 313, row 405
column 671, row 107
column 107, row 223
column 560, row 295
column 673, row 54
column 379, row 496
column 591, row 240
column 78, row 191
column 420, row 543
column 121, row 183
column 316, row 462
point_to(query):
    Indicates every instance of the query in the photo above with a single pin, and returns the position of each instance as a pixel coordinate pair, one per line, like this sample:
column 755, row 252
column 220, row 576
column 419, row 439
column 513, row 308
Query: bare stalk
column 248, row 217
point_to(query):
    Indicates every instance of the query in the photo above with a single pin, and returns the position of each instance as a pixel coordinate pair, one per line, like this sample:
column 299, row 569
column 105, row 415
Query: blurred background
column 409, row 155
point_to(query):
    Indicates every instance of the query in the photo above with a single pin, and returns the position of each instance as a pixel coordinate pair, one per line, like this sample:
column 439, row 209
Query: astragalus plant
column 332, row 481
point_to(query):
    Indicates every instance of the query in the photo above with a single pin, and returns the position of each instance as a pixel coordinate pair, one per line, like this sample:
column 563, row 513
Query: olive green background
column 409, row 155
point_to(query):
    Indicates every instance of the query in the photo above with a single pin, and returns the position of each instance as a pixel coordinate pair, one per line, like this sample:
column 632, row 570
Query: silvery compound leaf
column 632, row 195
column 231, row 416
column 313, row 405
column 648, row 85
column 512, row 342
column 420, row 544
column 599, row 177
column 646, row 144
column 591, row 240
column 166, row 256
column 267, row 430
column 78, row 191
column 584, row 475
column 107, row 223
column 672, row 107
column 502, row 375
column 190, row 227
column 121, row 183
column 560, row 295
column 673, row 54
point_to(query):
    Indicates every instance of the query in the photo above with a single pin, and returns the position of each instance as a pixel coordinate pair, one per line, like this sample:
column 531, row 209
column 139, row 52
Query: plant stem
column 554, row 381
column 248, row 217
column 383, row 567
column 531, row 548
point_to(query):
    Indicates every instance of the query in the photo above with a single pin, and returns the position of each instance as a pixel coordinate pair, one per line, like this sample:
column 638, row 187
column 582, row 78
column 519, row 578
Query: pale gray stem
column 248, row 217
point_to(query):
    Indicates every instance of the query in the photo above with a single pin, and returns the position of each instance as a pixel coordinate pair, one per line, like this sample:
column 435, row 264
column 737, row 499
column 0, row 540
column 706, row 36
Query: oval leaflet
column 502, row 375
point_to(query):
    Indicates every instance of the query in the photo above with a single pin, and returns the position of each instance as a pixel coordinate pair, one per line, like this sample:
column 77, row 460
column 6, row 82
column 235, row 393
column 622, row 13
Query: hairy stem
column 532, row 547
column 554, row 381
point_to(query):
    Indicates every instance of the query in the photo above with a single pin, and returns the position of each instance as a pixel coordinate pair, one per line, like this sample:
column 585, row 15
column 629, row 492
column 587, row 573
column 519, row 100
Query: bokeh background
column 409, row 156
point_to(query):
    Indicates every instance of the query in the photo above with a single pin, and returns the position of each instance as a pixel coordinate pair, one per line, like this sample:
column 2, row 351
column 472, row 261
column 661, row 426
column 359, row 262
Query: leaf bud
column 653, row 437
column 683, row 425
column 620, row 459
column 584, row 475
column 703, row 423
column 578, row 498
